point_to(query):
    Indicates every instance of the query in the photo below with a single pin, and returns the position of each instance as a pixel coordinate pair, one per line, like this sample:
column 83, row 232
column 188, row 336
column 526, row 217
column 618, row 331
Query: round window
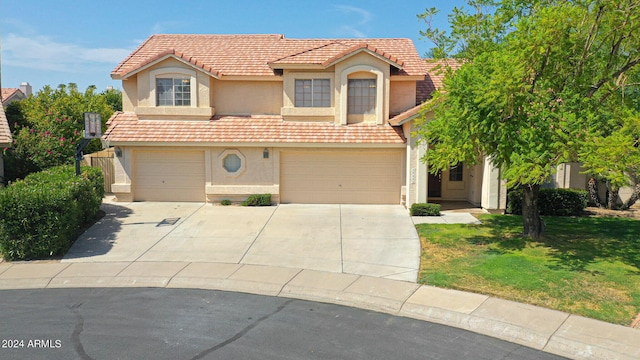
column 232, row 163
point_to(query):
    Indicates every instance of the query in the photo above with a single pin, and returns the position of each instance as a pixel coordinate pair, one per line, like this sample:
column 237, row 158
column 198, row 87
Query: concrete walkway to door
column 372, row 240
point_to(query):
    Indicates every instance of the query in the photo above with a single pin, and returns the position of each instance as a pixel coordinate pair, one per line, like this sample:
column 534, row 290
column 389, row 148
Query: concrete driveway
column 373, row 240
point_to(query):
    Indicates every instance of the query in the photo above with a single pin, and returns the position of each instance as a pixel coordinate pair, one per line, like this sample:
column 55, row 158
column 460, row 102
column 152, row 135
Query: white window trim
column 344, row 97
column 173, row 72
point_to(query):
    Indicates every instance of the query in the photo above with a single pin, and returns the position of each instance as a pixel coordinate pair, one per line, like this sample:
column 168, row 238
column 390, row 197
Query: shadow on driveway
column 99, row 239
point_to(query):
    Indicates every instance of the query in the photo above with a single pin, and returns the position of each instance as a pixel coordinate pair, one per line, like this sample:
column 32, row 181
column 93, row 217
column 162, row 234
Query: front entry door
column 435, row 185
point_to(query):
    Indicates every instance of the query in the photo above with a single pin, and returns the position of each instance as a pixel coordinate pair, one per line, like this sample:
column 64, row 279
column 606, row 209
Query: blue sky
column 57, row 42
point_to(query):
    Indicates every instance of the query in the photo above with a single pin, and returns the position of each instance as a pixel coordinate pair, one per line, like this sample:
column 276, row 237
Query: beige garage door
column 341, row 177
column 169, row 176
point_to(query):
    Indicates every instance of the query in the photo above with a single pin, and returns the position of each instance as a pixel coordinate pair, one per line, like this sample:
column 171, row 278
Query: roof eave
column 160, row 59
column 331, row 62
column 292, row 144
column 407, row 116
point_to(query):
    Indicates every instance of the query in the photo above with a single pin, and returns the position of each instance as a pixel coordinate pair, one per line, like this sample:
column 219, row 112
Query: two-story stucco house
column 213, row 117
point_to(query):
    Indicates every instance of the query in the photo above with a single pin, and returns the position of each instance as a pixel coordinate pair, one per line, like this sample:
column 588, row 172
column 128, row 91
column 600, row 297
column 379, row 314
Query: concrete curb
column 548, row 330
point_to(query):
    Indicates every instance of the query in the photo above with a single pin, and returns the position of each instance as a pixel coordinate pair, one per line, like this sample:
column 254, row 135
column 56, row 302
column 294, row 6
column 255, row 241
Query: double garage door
column 345, row 176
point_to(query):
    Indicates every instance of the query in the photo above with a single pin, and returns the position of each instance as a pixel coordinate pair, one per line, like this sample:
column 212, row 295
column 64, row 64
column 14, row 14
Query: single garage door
column 169, row 176
column 341, row 177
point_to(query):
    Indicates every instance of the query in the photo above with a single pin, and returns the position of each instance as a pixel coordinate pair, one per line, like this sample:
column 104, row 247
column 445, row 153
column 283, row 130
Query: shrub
column 258, row 200
column 551, row 202
column 43, row 213
column 225, row 202
column 425, row 209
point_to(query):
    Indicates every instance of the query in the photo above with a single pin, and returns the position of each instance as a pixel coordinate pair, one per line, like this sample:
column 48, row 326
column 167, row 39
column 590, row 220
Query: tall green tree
column 47, row 126
column 540, row 79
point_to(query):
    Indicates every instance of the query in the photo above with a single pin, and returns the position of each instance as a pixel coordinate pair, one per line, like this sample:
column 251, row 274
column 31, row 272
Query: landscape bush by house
column 423, row 209
column 258, row 200
column 43, row 214
column 551, row 202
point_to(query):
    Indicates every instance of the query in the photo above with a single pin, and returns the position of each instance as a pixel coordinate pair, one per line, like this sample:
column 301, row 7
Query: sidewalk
column 549, row 330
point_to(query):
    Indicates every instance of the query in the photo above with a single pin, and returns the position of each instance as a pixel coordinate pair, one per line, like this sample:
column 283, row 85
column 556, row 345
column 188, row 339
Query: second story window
column 173, row 91
column 361, row 96
column 313, row 93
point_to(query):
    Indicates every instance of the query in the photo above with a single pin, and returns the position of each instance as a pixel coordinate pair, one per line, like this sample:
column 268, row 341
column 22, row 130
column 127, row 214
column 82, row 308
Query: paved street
column 142, row 245
column 198, row 324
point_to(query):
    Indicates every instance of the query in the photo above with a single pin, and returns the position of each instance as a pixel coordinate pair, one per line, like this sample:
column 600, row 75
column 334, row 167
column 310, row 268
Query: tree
column 114, row 98
column 47, row 126
column 539, row 80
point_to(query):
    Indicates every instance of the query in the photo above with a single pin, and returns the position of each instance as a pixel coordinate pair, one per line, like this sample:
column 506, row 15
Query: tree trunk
column 533, row 224
column 612, row 200
column 593, row 192
column 632, row 200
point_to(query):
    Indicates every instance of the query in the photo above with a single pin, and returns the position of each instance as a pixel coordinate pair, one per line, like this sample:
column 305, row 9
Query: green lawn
column 587, row 266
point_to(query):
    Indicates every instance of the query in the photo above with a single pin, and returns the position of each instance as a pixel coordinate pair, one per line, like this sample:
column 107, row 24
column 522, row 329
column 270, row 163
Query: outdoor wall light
column 118, row 152
column 265, row 153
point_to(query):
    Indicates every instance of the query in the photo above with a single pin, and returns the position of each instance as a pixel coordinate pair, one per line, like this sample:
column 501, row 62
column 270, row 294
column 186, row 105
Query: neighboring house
column 213, row 117
column 7, row 96
column 10, row 95
column 5, row 141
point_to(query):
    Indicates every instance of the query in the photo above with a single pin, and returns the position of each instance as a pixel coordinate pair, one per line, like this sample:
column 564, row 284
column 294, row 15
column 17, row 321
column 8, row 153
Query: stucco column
column 121, row 187
column 422, row 174
column 494, row 190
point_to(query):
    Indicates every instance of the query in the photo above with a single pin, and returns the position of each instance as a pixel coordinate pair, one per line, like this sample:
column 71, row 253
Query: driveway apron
column 373, row 240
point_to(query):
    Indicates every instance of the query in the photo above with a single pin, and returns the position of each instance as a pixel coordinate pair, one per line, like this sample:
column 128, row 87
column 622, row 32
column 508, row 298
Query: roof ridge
column 330, row 42
column 255, row 54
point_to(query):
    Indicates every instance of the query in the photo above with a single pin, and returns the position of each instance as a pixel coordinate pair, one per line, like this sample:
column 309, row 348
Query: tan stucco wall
column 455, row 190
column 412, row 171
column 129, row 94
column 138, row 97
column 402, row 96
column 246, row 97
column 474, row 181
column 258, row 170
column 122, row 166
column 569, row 175
column 290, row 112
column 357, row 64
column 470, row 189
column 258, row 175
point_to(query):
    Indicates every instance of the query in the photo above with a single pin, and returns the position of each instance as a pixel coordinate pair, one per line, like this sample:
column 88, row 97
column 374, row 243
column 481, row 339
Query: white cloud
column 365, row 16
column 43, row 53
column 359, row 20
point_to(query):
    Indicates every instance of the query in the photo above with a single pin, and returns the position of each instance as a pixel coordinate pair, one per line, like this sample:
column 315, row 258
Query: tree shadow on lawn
column 505, row 234
column 575, row 242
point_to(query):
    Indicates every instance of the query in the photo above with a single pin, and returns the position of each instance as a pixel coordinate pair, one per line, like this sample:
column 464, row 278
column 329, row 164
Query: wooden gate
column 106, row 164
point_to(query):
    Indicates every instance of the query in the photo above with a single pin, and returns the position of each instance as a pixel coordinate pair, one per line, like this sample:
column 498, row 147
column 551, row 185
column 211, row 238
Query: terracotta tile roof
column 248, row 55
column 436, row 70
column 125, row 127
column 405, row 116
column 193, row 61
column 8, row 92
column 5, row 133
column 328, row 54
column 424, row 88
